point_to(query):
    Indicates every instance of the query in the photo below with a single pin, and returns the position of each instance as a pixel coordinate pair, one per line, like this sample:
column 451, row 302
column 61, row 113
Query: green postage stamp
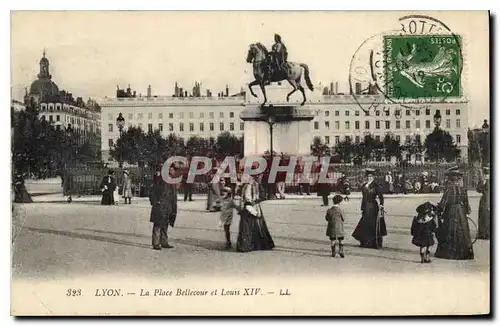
column 422, row 66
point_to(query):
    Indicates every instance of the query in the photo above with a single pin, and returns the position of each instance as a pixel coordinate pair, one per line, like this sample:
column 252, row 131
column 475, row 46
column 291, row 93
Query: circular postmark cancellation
column 420, row 62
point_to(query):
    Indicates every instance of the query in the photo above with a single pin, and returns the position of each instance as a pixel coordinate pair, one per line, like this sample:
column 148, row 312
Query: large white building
column 337, row 116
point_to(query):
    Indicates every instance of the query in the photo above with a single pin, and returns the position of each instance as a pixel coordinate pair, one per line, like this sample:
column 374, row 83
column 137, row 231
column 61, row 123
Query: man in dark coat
column 108, row 186
column 484, row 217
column 163, row 199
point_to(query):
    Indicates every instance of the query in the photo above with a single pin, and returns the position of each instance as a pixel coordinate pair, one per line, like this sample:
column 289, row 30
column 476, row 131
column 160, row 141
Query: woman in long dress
column 371, row 227
column 108, row 186
column 483, row 225
column 253, row 232
column 453, row 234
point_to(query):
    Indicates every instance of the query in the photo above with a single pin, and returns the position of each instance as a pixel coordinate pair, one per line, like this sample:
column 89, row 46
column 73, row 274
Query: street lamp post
column 120, row 123
column 486, row 143
column 271, row 121
column 437, row 123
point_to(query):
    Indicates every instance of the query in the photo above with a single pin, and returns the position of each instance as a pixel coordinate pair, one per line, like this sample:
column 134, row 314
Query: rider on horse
column 279, row 54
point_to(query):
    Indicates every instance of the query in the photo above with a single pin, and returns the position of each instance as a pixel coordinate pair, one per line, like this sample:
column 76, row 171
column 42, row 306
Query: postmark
column 416, row 64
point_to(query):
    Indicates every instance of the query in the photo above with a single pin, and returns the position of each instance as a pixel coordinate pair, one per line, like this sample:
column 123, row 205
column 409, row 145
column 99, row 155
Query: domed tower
column 44, row 89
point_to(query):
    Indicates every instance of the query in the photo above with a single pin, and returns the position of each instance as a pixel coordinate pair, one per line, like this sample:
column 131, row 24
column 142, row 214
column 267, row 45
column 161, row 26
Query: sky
column 91, row 53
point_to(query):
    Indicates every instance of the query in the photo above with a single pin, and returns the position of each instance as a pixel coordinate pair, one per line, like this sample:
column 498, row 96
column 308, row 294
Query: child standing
column 226, row 213
column 335, row 228
column 423, row 228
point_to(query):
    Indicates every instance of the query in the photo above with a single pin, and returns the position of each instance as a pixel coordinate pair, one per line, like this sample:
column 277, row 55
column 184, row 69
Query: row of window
column 211, row 126
column 72, row 120
column 387, row 112
column 180, row 115
column 347, row 124
column 357, row 139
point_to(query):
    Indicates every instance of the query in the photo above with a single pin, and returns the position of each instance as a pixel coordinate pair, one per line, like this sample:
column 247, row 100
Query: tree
column 345, row 150
column 439, row 145
column 319, row 149
column 368, row 148
column 228, row 144
column 130, row 146
column 198, row 146
column 392, row 148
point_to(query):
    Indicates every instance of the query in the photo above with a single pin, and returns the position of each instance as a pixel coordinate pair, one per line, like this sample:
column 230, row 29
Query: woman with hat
column 484, row 215
column 371, row 227
column 454, row 240
column 127, row 187
column 108, row 186
column 253, row 233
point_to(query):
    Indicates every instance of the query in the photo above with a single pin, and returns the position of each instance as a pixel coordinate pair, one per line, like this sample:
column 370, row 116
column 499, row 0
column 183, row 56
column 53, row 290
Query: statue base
column 290, row 126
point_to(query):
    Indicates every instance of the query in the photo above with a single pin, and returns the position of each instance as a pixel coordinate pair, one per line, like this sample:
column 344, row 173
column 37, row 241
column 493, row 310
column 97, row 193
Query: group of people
column 110, row 189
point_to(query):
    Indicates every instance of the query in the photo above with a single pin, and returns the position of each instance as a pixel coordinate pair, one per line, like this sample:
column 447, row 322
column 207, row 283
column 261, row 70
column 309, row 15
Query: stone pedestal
column 291, row 129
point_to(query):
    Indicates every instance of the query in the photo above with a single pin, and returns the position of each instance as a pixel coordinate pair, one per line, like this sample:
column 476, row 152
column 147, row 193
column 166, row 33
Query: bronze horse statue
column 292, row 72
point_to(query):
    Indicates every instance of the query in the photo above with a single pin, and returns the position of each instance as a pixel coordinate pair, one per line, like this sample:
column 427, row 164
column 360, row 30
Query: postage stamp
column 422, row 66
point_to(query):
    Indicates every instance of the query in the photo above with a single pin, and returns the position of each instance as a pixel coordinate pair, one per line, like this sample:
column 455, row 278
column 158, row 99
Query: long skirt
column 107, row 198
column 483, row 223
column 253, row 234
column 366, row 231
column 454, row 240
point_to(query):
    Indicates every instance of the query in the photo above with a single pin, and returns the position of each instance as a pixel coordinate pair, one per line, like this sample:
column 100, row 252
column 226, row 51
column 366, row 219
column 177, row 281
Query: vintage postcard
column 322, row 163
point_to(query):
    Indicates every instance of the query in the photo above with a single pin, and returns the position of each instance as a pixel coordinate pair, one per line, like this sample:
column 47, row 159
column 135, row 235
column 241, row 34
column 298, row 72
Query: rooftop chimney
column 336, row 87
column 227, row 91
column 149, row 91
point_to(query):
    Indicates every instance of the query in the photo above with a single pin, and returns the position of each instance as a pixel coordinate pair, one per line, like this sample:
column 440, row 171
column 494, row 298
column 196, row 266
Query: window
column 231, row 126
column 316, row 125
column 58, row 118
column 347, row 125
column 130, row 116
column 221, row 126
column 356, row 125
column 357, row 139
column 150, row 115
column 398, row 138
column 336, row 113
column 408, row 124
column 110, row 126
column 398, row 124
column 211, row 115
column 327, row 113
column 427, row 124
column 397, row 112
column 377, row 113
column 367, row 124
column 367, row 113
column 110, row 116
column 417, row 112
column 356, row 113
column 110, row 142
column 170, row 115
column 417, row 124
column 139, row 116
column 377, row 124
column 191, row 115
column 457, row 112
column 231, row 114
column 458, row 138
column 387, row 125
column 202, row 126
column 211, row 125
column 346, row 113
column 458, row 123
column 387, row 112
column 181, row 126
column 170, row 127
column 327, row 124
column 242, row 125
column 327, row 139
column 337, row 140
column 191, row 126
column 408, row 112
column 447, row 111
column 181, row 115
column 160, row 115
column 377, row 138
column 160, row 127
column 408, row 139
column 337, row 125
column 202, row 115
column 150, row 127
column 221, row 115
column 448, row 123
column 427, row 111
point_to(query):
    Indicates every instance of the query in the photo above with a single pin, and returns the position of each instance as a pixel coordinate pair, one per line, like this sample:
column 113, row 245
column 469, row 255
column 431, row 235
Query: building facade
column 337, row 116
column 61, row 108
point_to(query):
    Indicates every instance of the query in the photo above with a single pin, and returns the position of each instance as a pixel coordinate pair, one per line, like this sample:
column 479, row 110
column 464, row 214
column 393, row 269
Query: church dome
column 44, row 87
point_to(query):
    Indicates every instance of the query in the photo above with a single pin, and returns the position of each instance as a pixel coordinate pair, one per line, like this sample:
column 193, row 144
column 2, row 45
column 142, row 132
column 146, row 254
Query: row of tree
column 438, row 146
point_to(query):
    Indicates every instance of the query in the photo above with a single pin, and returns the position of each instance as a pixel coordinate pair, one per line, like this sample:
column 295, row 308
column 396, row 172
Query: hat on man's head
column 369, row 171
column 337, row 199
column 111, row 172
column 426, row 207
column 454, row 170
column 126, row 171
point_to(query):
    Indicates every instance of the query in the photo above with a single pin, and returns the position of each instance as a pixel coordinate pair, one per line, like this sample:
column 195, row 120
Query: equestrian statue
column 274, row 67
